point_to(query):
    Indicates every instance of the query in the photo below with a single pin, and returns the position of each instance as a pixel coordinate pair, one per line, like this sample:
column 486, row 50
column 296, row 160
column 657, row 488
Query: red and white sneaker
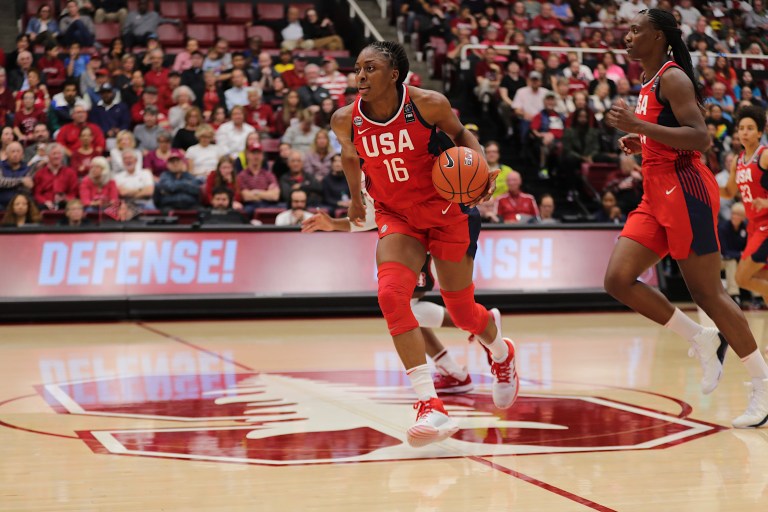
column 506, row 383
column 450, row 385
column 432, row 424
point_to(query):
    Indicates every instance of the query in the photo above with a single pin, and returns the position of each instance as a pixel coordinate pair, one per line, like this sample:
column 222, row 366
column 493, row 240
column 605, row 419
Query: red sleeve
column 503, row 209
column 272, row 180
column 60, row 137
column 136, row 117
column 209, row 187
column 536, row 122
column 112, row 193
column 42, row 186
column 533, row 207
column 85, row 192
column 70, row 188
column 99, row 143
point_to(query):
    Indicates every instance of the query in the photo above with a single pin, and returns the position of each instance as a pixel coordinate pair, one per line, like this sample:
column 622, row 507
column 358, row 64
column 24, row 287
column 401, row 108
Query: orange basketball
column 460, row 175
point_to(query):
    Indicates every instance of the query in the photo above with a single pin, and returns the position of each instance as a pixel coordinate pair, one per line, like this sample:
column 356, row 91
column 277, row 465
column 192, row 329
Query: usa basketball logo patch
column 408, row 111
column 357, row 121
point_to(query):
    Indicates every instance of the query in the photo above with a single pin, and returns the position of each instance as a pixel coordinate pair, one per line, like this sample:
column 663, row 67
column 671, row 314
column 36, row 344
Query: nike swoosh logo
column 671, row 190
column 360, row 132
column 449, row 164
column 763, row 228
column 451, row 204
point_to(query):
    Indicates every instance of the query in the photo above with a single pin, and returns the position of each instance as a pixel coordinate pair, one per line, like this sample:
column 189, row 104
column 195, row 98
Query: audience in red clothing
column 69, row 134
column 516, row 206
column 98, row 190
column 224, row 177
column 55, row 183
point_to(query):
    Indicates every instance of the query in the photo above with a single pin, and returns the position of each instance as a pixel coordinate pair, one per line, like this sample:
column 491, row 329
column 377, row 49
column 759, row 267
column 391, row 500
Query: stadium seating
column 238, row 12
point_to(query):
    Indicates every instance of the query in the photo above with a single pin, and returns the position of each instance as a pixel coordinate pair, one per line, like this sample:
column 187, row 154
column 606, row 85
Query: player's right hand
column 630, row 144
column 356, row 212
column 320, row 221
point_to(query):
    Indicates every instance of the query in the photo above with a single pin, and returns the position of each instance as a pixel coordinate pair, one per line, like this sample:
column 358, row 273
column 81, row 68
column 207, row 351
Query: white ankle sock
column 756, row 365
column 421, row 381
column 682, row 325
column 498, row 348
column 447, row 366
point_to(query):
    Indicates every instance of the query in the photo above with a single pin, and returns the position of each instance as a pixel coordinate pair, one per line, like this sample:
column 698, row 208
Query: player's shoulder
column 426, row 98
column 341, row 119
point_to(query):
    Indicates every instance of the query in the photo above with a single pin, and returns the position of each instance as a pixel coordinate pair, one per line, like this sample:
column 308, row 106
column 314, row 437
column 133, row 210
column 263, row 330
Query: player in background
column 678, row 212
column 451, row 377
column 749, row 177
column 389, row 132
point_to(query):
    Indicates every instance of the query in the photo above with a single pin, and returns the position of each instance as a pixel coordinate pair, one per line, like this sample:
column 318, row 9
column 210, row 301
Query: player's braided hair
column 752, row 112
column 395, row 54
column 666, row 22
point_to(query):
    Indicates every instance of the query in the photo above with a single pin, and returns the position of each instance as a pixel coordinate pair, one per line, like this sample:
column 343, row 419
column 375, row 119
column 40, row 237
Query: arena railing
column 369, row 29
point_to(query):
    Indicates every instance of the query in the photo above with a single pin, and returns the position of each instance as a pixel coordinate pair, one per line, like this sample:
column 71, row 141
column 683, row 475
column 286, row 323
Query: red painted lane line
column 196, row 347
column 23, row 429
column 543, row 485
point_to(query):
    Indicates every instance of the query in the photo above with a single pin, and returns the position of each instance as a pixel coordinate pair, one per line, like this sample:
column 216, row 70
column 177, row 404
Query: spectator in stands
column 584, row 12
column 601, row 77
column 333, row 80
column 297, row 212
column 183, row 102
column 135, row 183
column 723, row 127
column 516, row 206
column 194, row 77
column 21, row 212
column 218, row 59
column 74, row 215
column 42, row 98
column 23, row 43
column 543, row 24
column 98, row 190
column 157, row 160
column 280, row 165
column 263, row 72
column 335, row 186
column 114, row 55
column 52, row 68
column 613, row 71
column 702, row 32
column 733, row 240
column 87, row 79
column 63, row 104
column 7, row 103
column 258, row 186
column 488, row 76
column 27, row 117
column 241, row 159
column 757, row 18
column 259, row 114
column 237, row 95
column 18, row 76
column 275, row 96
column 203, row 156
column 14, row 178
column 324, row 115
column 725, row 73
column 125, row 140
column 720, row 98
column 688, row 13
column 110, row 114
column 55, row 183
column 298, row 179
column 284, row 62
column 713, row 156
column 146, row 133
column 546, row 211
column 317, row 160
column 6, row 138
column 320, row 33
column 213, row 95
column 610, row 211
column 221, row 212
column 142, row 24
column 43, row 29
column 69, row 134
column 157, row 76
column 546, row 132
column 747, row 82
column 231, row 135
column 218, row 117
column 493, row 157
column 288, row 114
column 110, row 10
column 131, row 93
column 295, row 78
column 301, row 135
column 36, row 152
column 528, row 102
column 183, row 60
column 223, row 178
column 624, row 92
column 581, row 142
column 185, row 137
column 600, row 102
column 149, row 98
column 562, row 95
column 312, row 93
column 292, row 33
column 177, row 189
column 76, row 27
column 81, row 156
column 76, row 61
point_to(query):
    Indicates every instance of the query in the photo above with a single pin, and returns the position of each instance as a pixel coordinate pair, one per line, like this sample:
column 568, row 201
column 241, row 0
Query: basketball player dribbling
column 678, row 212
column 389, row 132
column 749, row 177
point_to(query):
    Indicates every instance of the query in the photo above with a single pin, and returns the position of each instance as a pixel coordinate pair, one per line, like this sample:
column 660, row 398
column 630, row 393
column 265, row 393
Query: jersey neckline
column 388, row 121
column 662, row 68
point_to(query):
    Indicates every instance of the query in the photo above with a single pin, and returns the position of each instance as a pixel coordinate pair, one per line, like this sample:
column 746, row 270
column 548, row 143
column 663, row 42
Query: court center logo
column 338, row 417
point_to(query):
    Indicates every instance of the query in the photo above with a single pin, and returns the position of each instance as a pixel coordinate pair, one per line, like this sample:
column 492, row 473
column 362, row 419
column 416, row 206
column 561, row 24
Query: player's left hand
column 759, row 203
column 488, row 191
column 622, row 117
column 320, row 221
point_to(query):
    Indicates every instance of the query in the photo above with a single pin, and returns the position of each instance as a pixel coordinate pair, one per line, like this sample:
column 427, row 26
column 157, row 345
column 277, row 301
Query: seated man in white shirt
column 298, row 212
column 231, row 135
column 135, row 184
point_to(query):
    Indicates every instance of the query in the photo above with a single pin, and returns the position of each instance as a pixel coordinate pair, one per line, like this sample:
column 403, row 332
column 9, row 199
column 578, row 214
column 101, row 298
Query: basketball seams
column 450, row 182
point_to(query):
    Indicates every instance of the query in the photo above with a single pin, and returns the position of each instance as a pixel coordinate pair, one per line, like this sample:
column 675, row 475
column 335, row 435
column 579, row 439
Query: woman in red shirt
column 98, row 189
column 223, row 176
column 212, row 97
column 81, row 158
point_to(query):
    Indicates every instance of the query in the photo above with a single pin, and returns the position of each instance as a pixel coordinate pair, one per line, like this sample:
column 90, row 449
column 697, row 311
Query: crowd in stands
column 132, row 127
column 549, row 106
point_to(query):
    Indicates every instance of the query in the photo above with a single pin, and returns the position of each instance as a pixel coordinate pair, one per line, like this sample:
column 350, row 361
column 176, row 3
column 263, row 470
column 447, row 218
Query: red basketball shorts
column 678, row 213
column 757, row 244
column 446, row 230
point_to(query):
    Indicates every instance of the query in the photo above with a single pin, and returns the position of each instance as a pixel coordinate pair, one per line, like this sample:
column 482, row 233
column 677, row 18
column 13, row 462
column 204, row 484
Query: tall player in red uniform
column 749, row 177
column 389, row 132
column 678, row 213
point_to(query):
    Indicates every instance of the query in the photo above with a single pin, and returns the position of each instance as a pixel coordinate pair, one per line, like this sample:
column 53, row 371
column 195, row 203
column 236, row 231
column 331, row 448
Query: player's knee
column 396, row 284
column 467, row 314
column 742, row 279
column 616, row 284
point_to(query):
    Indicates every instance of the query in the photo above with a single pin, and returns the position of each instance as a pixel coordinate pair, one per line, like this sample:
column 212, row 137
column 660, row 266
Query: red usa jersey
column 651, row 108
column 396, row 155
column 752, row 181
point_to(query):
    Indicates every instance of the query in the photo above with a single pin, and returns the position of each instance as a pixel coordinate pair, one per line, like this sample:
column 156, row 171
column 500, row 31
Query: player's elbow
column 703, row 141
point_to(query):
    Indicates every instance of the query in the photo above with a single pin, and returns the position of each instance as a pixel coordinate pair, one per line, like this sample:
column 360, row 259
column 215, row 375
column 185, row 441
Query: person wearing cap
column 148, row 98
column 333, row 80
column 110, row 114
column 295, row 78
column 177, row 189
column 141, row 24
column 146, row 132
column 258, row 186
column 528, row 102
column 546, row 132
column 76, row 27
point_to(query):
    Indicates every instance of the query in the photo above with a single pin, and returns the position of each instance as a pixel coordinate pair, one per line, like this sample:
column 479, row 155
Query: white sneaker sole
column 497, row 401
column 456, row 390
column 422, row 435
column 720, row 354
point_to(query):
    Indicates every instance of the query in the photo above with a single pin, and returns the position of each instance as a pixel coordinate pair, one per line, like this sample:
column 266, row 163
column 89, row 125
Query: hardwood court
column 301, row 415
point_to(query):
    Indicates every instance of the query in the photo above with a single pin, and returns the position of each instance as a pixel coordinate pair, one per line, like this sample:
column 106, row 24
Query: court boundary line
column 30, row 430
